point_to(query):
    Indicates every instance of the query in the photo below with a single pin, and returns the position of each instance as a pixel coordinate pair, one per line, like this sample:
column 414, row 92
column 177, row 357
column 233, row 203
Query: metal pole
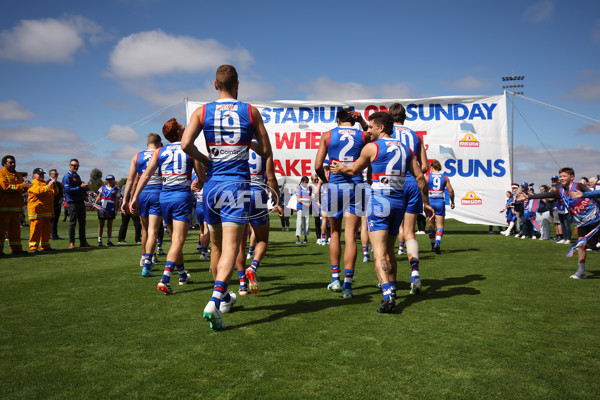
column 512, row 139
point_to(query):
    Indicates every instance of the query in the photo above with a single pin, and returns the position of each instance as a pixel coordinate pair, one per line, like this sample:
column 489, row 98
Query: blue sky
column 76, row 76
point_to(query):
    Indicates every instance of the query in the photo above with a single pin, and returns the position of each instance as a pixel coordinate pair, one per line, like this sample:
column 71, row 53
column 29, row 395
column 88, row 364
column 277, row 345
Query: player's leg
column 261, row 234
column 178, row 214
column 240, row 264
column 352, row 224
column 439, row 221
column 251, row 245
column 401, row 240
column 432, row 223
column 335, row 251
column 364, row 239
column 412, row 249
column 231, row 236
column 379, row 241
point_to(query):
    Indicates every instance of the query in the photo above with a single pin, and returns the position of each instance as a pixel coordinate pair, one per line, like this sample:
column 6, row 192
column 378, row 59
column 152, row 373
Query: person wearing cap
column 75, row 194
column 106, row 203
column 12, row 187
column 41, row 210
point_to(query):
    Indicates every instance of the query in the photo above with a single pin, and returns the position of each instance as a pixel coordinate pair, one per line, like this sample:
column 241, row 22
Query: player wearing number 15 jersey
column 438, row 182
column 229, row 127
column 390, row 161
column 343, row 194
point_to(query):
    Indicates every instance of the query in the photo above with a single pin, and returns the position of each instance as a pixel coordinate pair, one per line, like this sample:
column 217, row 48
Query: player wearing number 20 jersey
column 228, row 130
column 176, row 199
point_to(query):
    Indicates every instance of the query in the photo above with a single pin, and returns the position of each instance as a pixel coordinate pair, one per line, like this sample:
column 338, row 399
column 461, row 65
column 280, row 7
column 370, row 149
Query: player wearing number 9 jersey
column 229, row 127
column 343, row 194
column 438, row 182
column 176, row 200
column 390, row 160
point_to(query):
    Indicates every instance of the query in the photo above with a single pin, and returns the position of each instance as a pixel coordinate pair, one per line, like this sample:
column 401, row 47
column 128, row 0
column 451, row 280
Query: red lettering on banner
column 284, row 138
column 291, row 167
column 372, row 109
column 315, row 139
column 305, row 167
column 305, row 139
column 297, row 140
column 420, row 134
column 278, row 168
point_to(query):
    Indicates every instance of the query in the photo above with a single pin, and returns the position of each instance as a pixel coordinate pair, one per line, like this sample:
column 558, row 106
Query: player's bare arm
column 260, row 134
column 366, row 156
column 423, row 157
column 359, row 118
column 150, row 169
column 130, row 178
column 273, row 184
column 321, row 154
column 450, row 192
column 415, row 169
column 190, row 134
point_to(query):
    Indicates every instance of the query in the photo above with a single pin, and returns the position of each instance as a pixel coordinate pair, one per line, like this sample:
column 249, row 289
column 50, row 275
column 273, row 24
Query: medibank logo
column 471, row 199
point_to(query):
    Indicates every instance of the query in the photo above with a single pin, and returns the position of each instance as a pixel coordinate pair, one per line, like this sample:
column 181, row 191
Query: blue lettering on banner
column 475, row 168
column 451, row 112
column 302, row 114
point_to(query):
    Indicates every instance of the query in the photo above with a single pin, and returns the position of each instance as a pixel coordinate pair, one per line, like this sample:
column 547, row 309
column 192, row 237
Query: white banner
column 467, row 134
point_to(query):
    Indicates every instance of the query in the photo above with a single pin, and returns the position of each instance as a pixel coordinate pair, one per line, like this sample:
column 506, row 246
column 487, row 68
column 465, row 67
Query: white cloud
column 536, row 165
column 539, row 12
column 40, row 134
column 467, row 83
column 118, row 133
column 589, row 90
column 156, row 53
column 12, row 111
column 325, row 89
column 149, row 90
column 591, row 129
column 48, row 40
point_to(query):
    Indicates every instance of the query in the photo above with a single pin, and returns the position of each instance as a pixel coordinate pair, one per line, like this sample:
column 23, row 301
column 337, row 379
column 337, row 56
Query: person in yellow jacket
column 41, row 210
column 12, row 187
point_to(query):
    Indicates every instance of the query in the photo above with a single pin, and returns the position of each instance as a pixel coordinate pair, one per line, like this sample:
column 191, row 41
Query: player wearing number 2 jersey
column 229, row 127
column 176, row 200
column 343, row 194
column 390, row 161
column 438, row 182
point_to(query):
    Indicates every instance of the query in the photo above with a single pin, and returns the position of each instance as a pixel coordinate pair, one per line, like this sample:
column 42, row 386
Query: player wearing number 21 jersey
column 390, row 160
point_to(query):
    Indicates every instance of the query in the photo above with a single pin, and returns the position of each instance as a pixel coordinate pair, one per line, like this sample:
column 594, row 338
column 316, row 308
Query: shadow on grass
column 299, row 307
column 433, row 290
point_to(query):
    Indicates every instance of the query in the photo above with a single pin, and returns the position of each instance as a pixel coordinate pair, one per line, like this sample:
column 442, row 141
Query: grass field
column 499, row 318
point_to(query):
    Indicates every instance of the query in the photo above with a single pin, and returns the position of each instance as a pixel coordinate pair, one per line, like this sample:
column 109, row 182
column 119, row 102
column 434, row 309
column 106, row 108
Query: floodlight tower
column 511, row 89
